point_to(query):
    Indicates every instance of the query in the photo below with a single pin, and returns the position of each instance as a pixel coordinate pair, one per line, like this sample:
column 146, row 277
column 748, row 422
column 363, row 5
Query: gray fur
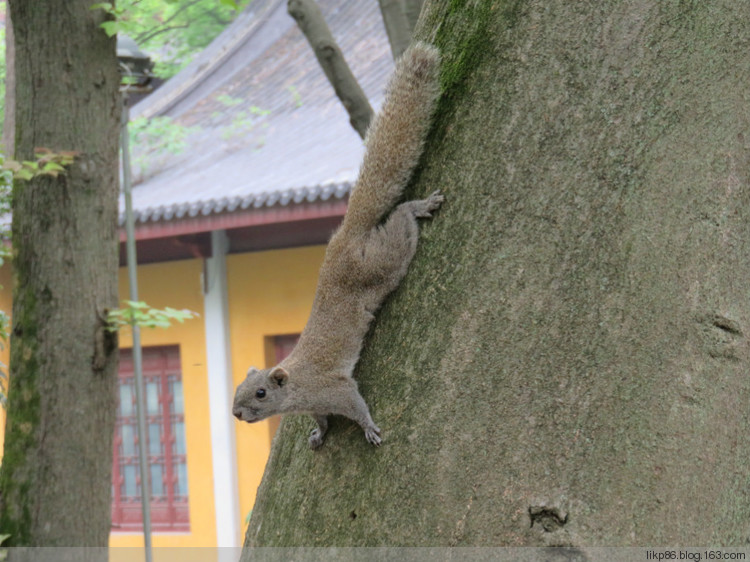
column 364, row 262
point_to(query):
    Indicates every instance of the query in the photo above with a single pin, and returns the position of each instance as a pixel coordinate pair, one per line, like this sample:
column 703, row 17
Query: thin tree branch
column 150, row 34
column 161, row 30
column 400, row 17
column 310, row 20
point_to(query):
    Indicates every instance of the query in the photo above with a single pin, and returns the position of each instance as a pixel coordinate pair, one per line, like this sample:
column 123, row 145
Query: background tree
column 173, row 31
column 310, row 20
column 55, row 479
column 566, row 362
column 399, row 19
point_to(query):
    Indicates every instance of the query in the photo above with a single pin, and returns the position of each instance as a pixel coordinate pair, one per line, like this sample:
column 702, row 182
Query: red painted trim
column 237, row 219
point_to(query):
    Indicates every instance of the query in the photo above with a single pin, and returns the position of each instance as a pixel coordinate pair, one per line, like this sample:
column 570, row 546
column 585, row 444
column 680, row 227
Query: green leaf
column 229, row 4
column 229, row 101
column 138, row 313
column 24, row 174
column 106, row 6
column 53, row 167
column 110, row 27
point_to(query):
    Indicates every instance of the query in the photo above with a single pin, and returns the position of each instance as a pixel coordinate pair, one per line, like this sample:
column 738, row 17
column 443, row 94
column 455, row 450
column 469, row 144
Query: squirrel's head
column 261, row 394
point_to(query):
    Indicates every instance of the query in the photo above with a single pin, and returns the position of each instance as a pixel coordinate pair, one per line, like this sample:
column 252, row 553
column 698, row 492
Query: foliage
column 243, row 122
column 161, row 136
column 4, row 552
column 138, row 313
column 156, row 137
column 6, row 186
column 2, row 70
column 171, row 31
column 47, row 163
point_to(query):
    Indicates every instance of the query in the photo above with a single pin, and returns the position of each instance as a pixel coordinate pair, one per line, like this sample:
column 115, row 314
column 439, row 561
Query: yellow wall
column 6, row 294
column 270, row 294
column 178, row 284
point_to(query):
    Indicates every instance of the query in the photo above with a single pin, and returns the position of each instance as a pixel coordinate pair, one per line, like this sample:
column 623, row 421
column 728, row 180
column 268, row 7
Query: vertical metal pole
column 137, row 356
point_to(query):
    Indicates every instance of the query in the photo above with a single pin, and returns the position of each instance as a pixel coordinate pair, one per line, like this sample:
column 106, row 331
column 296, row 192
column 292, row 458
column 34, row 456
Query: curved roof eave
column 296, row 150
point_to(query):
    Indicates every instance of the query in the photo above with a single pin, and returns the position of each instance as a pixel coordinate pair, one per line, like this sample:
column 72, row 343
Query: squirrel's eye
column 260, row 393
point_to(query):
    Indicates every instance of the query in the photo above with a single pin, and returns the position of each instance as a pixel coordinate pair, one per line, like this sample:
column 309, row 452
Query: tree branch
column 399, row 17
column 310, row 20
column 165, row 24
column 161, row 30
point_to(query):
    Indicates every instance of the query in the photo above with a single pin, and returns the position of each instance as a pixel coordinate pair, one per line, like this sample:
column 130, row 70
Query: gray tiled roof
column 240, row 203
column 300, row 149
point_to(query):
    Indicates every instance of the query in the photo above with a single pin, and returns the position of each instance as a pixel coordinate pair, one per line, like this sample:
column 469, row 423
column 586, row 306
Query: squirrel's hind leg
column 390, row 247
column 422, row 208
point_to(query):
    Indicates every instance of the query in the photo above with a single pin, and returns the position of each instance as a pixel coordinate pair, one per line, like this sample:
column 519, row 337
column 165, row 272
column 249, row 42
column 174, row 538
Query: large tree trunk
column 567, row 360
column 56, row 469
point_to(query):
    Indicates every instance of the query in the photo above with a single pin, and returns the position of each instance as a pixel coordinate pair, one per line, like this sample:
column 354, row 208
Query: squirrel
column 365, row 260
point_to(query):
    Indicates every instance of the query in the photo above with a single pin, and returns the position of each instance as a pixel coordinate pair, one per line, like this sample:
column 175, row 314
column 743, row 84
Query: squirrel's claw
column 372, row 434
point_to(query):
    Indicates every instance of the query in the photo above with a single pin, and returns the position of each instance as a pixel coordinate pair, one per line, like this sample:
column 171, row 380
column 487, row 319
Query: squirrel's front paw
column 316, row 438
column 372, row 434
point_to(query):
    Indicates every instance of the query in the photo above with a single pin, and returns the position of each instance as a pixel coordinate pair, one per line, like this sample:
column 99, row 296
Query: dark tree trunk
column 56, row 470
column 567, row 360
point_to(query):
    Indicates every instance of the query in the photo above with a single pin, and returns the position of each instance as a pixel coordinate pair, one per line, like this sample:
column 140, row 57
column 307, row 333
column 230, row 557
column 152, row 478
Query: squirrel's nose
column 237, row 413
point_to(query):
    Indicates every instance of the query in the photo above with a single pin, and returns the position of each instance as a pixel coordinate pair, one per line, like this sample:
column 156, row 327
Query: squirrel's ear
column 251, row 371
column 278, row 375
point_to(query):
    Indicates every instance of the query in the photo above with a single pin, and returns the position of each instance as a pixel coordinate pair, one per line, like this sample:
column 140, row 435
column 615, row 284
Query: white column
column 220, row 392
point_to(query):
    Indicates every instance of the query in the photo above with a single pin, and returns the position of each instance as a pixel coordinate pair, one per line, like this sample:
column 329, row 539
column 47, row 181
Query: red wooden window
column 165, row 425
column 283, row 346
column 277, row 348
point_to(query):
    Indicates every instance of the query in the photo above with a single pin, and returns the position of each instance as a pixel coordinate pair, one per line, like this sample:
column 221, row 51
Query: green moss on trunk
column 566, row 361
column 55, row 479
column 22, row 426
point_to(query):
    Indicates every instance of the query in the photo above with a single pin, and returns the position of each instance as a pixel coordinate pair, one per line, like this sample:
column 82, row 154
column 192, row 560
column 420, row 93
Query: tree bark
column 9, row 119
column 56, row 471
column 310, row 20
column 567, row 360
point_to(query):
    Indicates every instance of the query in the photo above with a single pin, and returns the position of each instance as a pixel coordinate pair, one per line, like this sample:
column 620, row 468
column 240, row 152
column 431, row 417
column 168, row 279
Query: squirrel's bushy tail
column 396, row 137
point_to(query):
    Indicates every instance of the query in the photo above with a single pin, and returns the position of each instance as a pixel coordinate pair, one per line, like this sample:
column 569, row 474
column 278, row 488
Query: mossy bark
column 55, row 479
column 567, row 360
